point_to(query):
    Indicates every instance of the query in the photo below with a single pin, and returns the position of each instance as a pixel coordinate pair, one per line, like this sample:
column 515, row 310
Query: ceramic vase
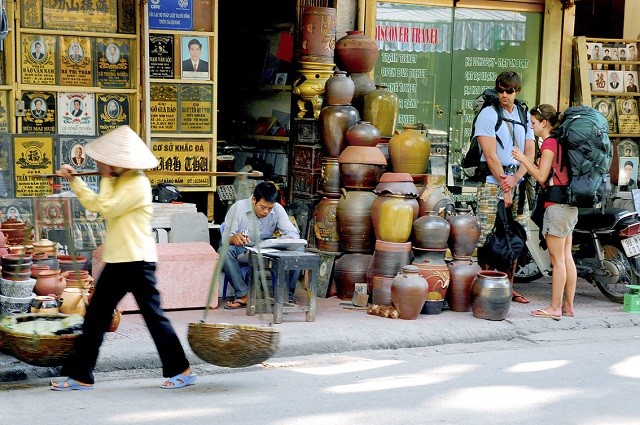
column 325, row 226
column 408, row 292
column 464, row 232
column 431, row 231
column 381, row 109
column 462, row 271
column 349, row 270
column 356, row 52
column 353, row 216
column 409, row 151
column 433, row 269
column 491, row 295
column 363, row 134
column 329, row 184
column 339, row 89
column 393, row 216
column 334, row 122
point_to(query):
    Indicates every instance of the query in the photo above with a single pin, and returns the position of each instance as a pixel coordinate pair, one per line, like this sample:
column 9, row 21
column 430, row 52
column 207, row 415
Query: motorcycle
column 606, row 250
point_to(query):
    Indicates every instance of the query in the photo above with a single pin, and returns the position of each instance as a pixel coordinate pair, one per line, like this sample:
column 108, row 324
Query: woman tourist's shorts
column 559, row 220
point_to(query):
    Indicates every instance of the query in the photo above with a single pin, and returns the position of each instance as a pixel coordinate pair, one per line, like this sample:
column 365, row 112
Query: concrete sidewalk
column 338, row 328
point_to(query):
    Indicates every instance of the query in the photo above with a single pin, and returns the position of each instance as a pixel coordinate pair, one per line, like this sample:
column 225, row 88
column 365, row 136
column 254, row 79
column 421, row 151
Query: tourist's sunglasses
column 508, row 91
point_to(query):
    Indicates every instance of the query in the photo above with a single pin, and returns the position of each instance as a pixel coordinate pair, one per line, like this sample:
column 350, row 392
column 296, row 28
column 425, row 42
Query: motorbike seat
column 593, row 218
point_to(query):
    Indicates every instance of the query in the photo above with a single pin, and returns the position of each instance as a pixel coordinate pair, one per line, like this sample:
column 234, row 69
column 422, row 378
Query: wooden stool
column 281, row 263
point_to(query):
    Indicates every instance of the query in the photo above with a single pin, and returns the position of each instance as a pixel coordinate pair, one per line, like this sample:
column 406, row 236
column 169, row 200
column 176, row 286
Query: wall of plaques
column 73, row 71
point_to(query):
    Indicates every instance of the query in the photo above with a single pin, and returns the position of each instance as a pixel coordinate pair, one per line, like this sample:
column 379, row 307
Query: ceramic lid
column 362, row 155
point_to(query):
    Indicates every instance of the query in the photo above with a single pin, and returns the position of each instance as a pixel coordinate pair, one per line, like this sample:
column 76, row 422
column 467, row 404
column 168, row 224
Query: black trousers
column 116, row 280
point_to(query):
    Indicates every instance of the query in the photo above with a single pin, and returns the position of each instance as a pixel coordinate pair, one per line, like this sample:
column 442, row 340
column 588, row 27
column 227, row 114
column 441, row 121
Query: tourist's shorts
column 559, row 220
column 487, row 198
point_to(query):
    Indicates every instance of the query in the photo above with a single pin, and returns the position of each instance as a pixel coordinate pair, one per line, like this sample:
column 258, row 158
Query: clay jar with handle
column 73, row 301
column 408, row 292
column 50, row 282
column 464, row 232
column 409, row 151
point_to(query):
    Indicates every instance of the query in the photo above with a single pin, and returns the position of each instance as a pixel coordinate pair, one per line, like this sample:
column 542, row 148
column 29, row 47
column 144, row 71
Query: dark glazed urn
column 353, row 216
column 431, row 231
column 349, row 270
column 462, row 271
column 491, row 295
column 464, row 232
column 334, row 122
column 339, row 89
column 409, row 292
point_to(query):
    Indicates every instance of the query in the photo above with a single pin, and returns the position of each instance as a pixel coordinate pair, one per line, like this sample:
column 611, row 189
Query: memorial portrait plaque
column 70, row 150
column 38, row 59
column 76, row 114
column 628, row 121
column 40, row 112
column 161, row 56
column 7, row 186
column 183, row 155
column 20, row 209
column 113, row 63
column 4, row 112
column 99, row 16
column 194, row 57
column 32, row 155
column 196, row 108
column 113, row 112
column 164, row 108
column 607, row 107
column 52, row 213
column 76, row 61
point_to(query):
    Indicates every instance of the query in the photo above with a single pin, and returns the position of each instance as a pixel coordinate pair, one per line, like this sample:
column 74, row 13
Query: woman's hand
column 66, row 171
column 518, row 155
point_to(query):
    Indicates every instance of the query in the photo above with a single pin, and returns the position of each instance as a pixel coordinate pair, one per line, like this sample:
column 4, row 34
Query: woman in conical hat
column 124, row 200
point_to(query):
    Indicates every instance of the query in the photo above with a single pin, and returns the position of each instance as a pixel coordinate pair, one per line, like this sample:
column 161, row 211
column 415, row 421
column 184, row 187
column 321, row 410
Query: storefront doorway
column 438, row 56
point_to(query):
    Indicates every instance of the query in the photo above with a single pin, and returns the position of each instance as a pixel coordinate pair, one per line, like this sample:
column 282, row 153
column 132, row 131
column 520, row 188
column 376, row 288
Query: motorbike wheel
column 615, row 291
column 526, row 269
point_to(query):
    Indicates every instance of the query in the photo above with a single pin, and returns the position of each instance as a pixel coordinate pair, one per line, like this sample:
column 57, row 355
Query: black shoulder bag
column 506, row 241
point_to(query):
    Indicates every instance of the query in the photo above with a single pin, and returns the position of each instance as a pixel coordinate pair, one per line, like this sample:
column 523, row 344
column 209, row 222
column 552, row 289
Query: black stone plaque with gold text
column 38, row 59
column 76, row 61
column 32, row 155
column 81, row 15
column 196, row 108
column 164, row 108
column 161, row 56
column 113, row 112
column 127, row 16
column 112, row 63
column 40, row 112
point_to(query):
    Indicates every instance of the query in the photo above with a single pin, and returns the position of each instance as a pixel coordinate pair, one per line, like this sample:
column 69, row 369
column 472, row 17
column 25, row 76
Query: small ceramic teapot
column 44, row 304
column 73, row 301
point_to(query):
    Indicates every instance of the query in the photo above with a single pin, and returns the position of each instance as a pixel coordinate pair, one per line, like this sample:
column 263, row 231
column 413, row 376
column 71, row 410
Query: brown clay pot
column 339, row 89
column 318, row 34
column 50, row 282
column 462, row 271
column 363, row 134
column 464, row 232
column 329, row 177
column 67, row 262
column 325, row 226
column 349, row 270
column 381, row 290
column 397, row 184
column 434, row 269
column 356, row 52
column 361, row 167
column 434, row 195
column 353, row 216
column 431, row 231
column 334, row 121
column 387, row 260
column 364, row 85
column 409, row 292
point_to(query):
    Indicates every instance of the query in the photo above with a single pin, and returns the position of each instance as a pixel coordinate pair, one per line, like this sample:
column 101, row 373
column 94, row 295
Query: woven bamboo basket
column 37, row 350
column 229, row 345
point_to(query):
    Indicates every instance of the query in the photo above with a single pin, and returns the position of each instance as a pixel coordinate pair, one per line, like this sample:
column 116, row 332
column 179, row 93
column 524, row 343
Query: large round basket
column 37, row 350
column 233, row 345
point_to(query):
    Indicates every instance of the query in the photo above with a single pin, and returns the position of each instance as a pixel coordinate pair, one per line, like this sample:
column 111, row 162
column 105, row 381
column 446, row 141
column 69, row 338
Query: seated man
column 238, row 230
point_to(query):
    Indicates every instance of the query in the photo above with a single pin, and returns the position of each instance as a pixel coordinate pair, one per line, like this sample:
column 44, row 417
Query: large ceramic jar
column 363, row 85
column 318, row 34
column 353, row 216
column 339, row 89
column 381, row 109
column 50, row 282
column 409, row 151
column 325, row 227
column 361, row 167
column 491, row 295
column 363, row 134
column 431, row 231
column 434, row 195
column 464, row 232
column 462, row 271
column 393, row 216
column 408, row 292
column 334, row 122
column 349, row 270
column 329, row 184
column 356, row 52
column 434, row 270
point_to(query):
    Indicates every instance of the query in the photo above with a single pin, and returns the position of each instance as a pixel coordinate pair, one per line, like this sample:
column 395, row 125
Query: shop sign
column 171, row 14
column 184, row 155
column 164, row 108
column 79, row 15
column 113, row 63
column 76, row 114
column 71, row 150
column 196, row 108
column 40, row 112
column 38, row 59
column 161, row 56
column 76, row 62
column 113, row 112
column 32, row 155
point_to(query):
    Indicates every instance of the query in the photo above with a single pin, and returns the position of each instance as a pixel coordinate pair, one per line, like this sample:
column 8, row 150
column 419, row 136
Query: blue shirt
column 485, row 126
column 241, row 216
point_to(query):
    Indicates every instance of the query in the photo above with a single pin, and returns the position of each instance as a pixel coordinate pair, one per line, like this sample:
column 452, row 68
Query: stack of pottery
column 357, row 54
column 463, row 238
column 15, row 232
column 395, row 208
column 387, row 261
column 16, row 267
column 316, row 52
column 16, row 284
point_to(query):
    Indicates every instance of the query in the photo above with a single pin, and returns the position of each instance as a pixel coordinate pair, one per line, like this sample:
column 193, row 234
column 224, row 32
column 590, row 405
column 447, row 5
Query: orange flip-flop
column 538, row 312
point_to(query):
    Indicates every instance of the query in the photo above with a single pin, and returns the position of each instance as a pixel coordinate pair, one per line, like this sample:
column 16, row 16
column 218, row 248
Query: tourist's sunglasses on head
column 508, row 91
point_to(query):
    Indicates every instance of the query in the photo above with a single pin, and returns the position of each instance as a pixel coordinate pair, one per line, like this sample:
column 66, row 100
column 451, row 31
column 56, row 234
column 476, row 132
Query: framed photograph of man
column 76, row 114
column 594, row 51
column 615, row 82
column 630, row 81
column 623, row 54
column 194, row 57
column 632, row 52
column 628, row 172
column 38, row 59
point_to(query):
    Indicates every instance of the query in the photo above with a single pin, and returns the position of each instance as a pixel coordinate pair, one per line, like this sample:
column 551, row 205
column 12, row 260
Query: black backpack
column 473, row 168
column 587, row 150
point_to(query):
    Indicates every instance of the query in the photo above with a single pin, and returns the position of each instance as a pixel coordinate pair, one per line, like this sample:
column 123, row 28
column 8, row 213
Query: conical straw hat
column 122, row 147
